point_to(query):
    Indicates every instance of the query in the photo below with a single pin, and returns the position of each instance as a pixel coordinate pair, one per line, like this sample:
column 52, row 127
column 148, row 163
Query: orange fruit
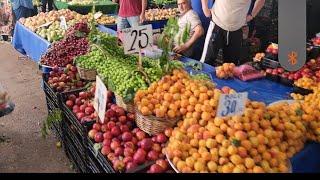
column 206, row 116
column 171, row 114
column 197, row 108
column 212, row 166
column 220, row 138
column 193, row 100
column 145, row 111
column 183, row 111
column 241, row 135
column 167, row 97
column 249, row 163
column 190, row 108
column 236, row 159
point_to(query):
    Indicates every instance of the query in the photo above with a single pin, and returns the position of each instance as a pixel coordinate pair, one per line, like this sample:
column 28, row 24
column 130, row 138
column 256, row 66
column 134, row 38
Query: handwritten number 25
column 141, row 33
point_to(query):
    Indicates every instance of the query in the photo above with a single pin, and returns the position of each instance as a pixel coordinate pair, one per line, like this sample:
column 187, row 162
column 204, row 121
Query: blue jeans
column 127, row 22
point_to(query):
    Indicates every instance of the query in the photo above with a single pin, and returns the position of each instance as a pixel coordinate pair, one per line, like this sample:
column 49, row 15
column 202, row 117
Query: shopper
column 5, row 20
column 22, row 8
column 225, row 30
column 188, row 17
column 131, row 13
column 44, row 4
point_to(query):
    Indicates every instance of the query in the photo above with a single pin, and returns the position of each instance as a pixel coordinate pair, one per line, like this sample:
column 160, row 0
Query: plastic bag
column 6, row 106
column 246, row 72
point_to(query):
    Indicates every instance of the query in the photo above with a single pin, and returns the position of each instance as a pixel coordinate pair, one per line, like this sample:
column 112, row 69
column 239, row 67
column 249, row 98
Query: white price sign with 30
column 100, row 99
column 232, row 104
column 137, row 38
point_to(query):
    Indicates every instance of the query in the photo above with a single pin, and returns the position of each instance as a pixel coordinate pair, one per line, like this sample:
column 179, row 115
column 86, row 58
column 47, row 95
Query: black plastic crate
column 78, row 143
column 302, row 91
column 99, row 160
column 56, row 127
column 270, row 63
column 53, row 96
column 74, row 156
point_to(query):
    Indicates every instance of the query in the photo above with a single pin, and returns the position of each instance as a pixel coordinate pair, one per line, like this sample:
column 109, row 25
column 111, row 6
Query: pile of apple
column 161, row 14
column 65, row 80
column 272, row 49
column 309, row 70
column 81, row 104
column 316, row 41
column 225, row 71
column 125, row 146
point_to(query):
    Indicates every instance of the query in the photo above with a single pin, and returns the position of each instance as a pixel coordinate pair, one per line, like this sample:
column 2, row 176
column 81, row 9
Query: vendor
column 44, row 4
column 187, row 18
column 22, row 8
column 131, row 13
column 225, row 31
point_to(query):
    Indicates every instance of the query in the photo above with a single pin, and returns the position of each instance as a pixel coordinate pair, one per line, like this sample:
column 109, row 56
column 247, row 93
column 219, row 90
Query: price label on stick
column 63, row 23
column 100, row 99
column 232, row 104
column 137, row 38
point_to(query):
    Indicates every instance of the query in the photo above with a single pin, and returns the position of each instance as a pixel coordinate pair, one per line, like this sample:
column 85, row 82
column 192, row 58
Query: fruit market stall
column 165, row 110
column 85, row 7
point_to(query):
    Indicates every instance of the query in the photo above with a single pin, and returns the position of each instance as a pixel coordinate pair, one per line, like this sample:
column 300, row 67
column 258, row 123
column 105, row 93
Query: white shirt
column 230, row 15
column 192, row 18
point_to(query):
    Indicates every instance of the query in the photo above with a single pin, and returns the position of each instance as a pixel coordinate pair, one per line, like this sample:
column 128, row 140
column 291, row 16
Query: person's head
column 184, row 6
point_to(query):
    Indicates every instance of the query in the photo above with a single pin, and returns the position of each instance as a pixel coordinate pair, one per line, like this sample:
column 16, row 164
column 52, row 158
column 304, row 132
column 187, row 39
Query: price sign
column 231, row 104
column 63, row 23
column 137, row 38
column 100, row 99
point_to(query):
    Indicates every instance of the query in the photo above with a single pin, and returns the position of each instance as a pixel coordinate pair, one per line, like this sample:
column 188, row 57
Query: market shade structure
column 106, row 7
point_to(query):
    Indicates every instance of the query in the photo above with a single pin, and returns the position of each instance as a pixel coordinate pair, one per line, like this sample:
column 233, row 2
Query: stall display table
column 156, row 25
column 106, row 7
column 29, row 43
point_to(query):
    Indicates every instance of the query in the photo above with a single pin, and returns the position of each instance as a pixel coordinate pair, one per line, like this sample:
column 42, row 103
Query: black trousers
column 44, row 5
column 229, row 41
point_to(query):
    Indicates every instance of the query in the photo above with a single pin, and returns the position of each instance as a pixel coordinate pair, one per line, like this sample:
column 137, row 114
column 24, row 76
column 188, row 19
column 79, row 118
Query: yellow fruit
column 212, row 166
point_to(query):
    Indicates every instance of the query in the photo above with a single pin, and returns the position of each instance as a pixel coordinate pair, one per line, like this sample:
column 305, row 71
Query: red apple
column 106, row 142
column 124, row 128
column 155, row 168
column 146, row 144
column 122, row 119
column 162, row 163
column 156, row 147
column 269, row 71
column 127, row 159
column 110, row 125
column 89, row 110
column 114, row 145
column 129, row 145
column 98, row 137
column 110, row 113
column 70, row 104
column 107, row 135
column 104, row 128
column 126, row 136
column 152, row 155
column 140, row 156
column 120, row 112
column 131, row 165
column 96, row 126
column 161, row 138
column 118, row 151
column 140, row 135
column 128, row 152
column 105, row 150
column 78, row 102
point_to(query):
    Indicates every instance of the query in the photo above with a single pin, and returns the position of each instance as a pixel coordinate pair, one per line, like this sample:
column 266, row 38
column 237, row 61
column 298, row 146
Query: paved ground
column 24, row 149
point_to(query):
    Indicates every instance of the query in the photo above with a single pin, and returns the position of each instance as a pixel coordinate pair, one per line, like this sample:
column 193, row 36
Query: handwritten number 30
column 230, row 107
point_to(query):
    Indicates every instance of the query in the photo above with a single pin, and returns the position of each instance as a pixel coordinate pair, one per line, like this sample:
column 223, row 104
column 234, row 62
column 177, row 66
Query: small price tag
column 137, row 38
column 63, row 23
column 97, row 15
column 100, row 99
column 231, row 104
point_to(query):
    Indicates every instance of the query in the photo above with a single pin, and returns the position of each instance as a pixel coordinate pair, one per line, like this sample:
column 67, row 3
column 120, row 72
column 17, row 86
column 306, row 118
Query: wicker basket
column 87, row 74
column 129, row 107
column 153, row 125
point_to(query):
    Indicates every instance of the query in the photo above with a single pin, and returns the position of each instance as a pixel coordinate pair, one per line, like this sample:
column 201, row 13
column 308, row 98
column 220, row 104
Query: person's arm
column 198, row 32
column 256, row 9
column 205, row 8
column 115, row 1
column 144, row 7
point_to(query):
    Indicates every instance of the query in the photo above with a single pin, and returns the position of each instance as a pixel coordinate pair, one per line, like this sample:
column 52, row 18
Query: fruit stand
column 105, row 6
column 161, row 110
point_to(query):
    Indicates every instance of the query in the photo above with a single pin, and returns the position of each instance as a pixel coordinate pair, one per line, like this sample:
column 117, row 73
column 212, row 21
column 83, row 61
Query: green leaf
column 299, row 112
column 267, row 116
column 236, row 142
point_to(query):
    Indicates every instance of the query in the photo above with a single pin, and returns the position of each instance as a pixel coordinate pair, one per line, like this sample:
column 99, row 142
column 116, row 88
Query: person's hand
column 142, row 18
column 249, row 18
column 180, row 49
